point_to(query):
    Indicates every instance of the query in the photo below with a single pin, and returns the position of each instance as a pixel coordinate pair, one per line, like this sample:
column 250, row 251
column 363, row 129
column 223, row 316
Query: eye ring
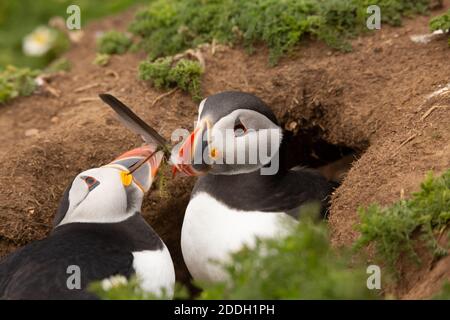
column 91, row 182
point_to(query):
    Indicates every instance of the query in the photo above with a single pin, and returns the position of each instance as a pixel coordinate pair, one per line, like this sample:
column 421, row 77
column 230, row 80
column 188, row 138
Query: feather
column 130, row 120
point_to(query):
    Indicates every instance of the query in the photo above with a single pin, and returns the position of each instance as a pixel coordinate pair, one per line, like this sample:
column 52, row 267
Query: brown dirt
column 371, row 100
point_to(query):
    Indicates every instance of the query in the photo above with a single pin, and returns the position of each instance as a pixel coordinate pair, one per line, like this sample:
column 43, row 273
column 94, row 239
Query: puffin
column 98, row 231
column 237, row 200
column 246, row 187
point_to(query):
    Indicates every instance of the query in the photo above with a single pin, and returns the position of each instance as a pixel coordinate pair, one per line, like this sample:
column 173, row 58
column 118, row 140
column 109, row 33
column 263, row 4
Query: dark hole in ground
column 308, row 148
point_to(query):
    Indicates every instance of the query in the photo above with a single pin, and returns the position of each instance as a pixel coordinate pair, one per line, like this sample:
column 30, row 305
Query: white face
column 243, row 141
column 99, row 196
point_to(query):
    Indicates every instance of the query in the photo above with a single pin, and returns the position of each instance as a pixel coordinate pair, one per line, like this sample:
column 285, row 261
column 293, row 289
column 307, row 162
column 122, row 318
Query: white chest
column 155, row 271
column 211, row 231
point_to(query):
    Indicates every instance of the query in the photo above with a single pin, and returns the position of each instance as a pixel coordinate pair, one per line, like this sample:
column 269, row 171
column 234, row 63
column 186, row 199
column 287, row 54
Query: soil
column 374, row 102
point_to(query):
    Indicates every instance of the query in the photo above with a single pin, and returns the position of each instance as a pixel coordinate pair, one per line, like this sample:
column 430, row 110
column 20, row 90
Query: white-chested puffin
column 98, row 228
column 235, row 201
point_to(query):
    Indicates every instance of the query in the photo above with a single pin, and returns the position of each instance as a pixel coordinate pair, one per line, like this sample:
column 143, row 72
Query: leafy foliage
column 167, row 27
column 16, row 82
column 113, row 42
column 19, row 18
column 165, row 73
column 119, row 288
column 441, row 22
column 61, row 64
column 302, row 265
column 393, row 229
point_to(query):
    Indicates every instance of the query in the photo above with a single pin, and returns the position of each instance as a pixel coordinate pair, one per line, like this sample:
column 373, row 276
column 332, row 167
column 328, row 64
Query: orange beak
column 144, row 175
column 188, row 159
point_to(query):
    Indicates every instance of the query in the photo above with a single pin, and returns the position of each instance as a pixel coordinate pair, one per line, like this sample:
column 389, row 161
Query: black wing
column 42, row 270
column 287, row 191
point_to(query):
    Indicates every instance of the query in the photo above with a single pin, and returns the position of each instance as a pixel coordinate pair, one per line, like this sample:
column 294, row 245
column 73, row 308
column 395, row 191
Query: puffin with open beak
column 98, row 232
column 245, row 189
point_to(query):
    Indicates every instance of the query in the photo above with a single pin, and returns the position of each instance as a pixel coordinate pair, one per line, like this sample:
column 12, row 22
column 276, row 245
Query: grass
column 18, row 18
column 441, row 22
column 165, row 73
column 394, row 230
column 167, row 27
column 113, row 42
column 303, row 265
column 16, row 82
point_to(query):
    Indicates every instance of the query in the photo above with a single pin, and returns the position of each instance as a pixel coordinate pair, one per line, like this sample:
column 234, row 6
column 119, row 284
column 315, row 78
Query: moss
column 167, row 27
column 16, row 82
column 441, row 22
column 101, row 59
column 395, row 229
column 113, row 42
column 164, row 73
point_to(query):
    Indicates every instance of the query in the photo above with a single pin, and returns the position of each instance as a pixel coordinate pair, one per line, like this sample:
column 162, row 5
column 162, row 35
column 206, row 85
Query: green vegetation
column 167, row 27
column 119, row 288
column 302, row 265
column 395, row 229
column 444, row 294
column 16, row 82
column 113, row 42
column 101, row 59
column 166, row 73
column 19, row 18
column 441, row 22
column 61, row 64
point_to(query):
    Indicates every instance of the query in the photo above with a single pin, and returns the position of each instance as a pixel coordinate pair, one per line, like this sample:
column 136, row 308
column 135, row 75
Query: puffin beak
column 189, row 158
column 139, row 165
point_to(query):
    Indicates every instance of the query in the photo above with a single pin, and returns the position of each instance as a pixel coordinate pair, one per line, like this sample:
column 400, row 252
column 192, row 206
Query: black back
column 286, row 191
column 101, row 250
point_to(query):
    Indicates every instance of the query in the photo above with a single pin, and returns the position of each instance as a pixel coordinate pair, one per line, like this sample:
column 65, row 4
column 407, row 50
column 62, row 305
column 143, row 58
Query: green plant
column 101, row 59
column 394, row 229
column 167, row 27
column 166, row 73
column 119, row 288
column 301, row 265
column 19, row 18
column 61, row 64
column 16, row 82
column 444, row 294
column 113, row 42
column 441, row 22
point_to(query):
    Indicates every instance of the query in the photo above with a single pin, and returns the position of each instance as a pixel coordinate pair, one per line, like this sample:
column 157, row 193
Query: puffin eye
column 239, row 128
column 91, row 182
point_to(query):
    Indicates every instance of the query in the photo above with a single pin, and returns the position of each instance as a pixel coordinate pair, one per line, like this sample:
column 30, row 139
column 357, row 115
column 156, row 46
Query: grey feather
column 133, row 122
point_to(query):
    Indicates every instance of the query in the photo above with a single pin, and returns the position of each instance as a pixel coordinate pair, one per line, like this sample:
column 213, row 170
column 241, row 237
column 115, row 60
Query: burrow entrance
column 308, row 148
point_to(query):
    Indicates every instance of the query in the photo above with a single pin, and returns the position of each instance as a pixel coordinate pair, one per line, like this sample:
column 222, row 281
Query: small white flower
column 113, row 282
column 39, row 42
